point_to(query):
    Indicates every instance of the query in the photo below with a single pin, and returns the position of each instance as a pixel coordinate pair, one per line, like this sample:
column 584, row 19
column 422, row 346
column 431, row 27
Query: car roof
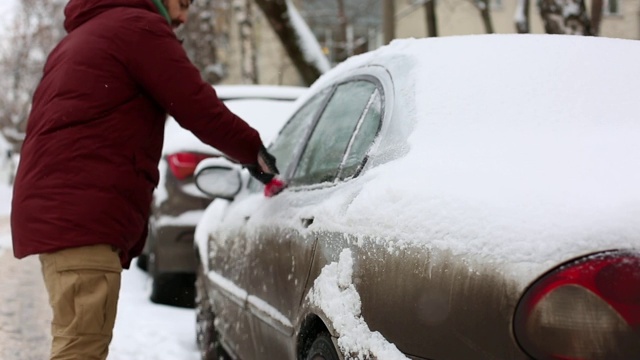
column 273, row 92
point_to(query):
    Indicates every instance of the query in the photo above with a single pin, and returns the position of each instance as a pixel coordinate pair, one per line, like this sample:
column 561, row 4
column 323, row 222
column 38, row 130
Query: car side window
column 363, row 138
column 292, row 135
column 346, row 110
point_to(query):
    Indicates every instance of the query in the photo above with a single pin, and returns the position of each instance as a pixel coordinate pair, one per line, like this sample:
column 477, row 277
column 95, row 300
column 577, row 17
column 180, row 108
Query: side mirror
column 218, row 178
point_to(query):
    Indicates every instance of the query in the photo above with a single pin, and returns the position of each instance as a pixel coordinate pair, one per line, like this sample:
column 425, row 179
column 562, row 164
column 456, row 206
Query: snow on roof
column 275, row 92
column 524, row 149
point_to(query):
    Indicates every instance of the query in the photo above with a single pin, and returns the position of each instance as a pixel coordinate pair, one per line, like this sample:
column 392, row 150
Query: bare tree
column 565, row 17
column 485, row 12
column 522, row 17
column 296, row 37
column 431, row 19
column 244, row 16
column 203, row 34
column 341, row 32
column 389, row 20
column 596, row 16
column 37, row 27
column 345, row 27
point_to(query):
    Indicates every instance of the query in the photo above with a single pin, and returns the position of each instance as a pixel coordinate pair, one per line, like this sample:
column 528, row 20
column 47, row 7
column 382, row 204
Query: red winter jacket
column 89, row 162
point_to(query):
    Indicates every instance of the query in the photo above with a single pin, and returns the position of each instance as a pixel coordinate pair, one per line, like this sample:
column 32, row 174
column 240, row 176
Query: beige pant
column 83, row 285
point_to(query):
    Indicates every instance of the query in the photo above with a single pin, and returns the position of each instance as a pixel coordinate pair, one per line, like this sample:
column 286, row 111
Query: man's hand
column 265, row 167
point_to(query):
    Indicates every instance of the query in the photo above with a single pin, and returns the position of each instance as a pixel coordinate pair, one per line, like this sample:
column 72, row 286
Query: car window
column 292, row 135
column 332, row 135
column 363, row 138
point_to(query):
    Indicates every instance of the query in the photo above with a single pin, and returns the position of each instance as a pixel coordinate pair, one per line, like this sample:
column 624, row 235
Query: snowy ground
column 144, row 331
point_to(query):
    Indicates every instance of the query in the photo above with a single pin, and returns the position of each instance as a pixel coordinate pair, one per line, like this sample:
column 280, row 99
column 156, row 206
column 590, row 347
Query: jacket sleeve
column 159, row 64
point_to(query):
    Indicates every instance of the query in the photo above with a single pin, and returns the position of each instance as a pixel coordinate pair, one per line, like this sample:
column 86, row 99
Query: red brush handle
column 274, row 187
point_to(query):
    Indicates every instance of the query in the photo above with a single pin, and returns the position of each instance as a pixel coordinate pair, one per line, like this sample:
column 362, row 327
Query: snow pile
column 333, row 292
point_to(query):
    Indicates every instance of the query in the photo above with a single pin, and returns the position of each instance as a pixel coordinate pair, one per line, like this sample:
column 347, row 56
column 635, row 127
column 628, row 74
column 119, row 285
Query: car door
column 230, row 267
column 284, row 246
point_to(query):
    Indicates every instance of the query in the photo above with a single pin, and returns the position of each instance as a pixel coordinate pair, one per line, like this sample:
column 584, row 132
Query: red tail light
column 184, row 164
column 586, row 309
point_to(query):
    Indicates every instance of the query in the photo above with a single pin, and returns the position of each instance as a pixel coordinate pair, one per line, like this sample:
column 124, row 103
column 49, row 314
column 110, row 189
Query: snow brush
column 274, row 187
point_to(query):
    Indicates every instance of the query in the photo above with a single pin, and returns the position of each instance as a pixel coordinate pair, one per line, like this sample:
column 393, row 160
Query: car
column 471, row 197
column 178, row 205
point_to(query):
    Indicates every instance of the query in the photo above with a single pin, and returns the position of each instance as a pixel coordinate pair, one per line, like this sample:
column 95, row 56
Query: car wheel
column 322, row 348
column 173, row 289
column 206, row 334
column 143, row 262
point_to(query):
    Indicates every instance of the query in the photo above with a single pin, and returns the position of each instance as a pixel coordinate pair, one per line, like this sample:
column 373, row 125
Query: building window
column 612, row 7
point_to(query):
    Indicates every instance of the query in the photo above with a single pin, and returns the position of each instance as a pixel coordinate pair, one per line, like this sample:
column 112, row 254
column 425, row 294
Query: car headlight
column 586, row 309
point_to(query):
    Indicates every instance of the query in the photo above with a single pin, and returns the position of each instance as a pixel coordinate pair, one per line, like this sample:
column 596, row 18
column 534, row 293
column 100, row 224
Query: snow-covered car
column 454, row 198
column 178, row 204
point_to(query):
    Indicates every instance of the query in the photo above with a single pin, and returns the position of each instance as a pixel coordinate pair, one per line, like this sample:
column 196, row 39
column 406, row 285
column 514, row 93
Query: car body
column 470, row 197
column 178, row 205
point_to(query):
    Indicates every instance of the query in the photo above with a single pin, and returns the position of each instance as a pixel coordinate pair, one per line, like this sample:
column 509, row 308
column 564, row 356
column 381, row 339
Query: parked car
column 470, row 197
column 178, row 204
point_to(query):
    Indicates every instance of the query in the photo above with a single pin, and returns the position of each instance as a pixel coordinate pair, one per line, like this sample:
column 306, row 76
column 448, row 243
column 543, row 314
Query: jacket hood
column 77, row 12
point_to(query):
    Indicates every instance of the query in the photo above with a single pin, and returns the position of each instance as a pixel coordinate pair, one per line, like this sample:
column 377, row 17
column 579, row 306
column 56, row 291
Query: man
column 89, row 161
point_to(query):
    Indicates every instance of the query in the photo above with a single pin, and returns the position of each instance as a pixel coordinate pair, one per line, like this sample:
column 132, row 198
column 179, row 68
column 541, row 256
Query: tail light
column 184, row 164
column 586, row 309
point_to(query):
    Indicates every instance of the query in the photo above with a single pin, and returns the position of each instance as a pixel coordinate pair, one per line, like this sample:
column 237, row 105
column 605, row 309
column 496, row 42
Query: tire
column 143, row 262
column 206, row 334
column 173, row 289
column 322, row 348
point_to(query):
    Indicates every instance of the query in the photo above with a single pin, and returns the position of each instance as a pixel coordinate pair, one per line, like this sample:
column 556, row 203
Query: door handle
column 306, row 222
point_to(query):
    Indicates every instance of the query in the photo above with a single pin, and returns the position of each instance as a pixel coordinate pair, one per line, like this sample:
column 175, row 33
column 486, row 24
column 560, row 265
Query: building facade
column 621, row 18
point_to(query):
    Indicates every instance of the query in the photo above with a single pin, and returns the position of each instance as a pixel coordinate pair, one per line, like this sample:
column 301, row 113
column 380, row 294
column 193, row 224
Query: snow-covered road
column 24, row 312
